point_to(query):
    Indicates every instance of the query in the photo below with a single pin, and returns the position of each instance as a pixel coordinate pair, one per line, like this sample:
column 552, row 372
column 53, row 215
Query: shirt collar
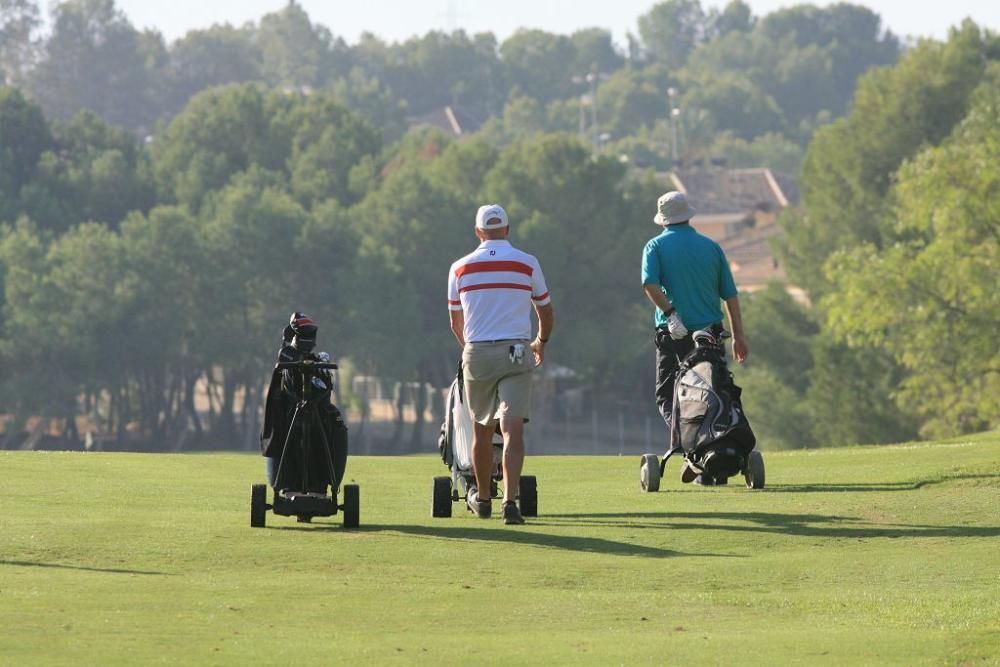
column 495, row 243
column 677, row 227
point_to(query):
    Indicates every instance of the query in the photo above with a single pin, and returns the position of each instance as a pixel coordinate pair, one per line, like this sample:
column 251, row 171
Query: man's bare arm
column 546, row 321
column 741, row 350
column 458, row 325
column 656, row 295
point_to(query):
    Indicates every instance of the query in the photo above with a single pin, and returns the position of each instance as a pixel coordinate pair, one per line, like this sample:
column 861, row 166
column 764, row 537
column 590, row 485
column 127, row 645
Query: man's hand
column 676, row 326
column 740, row 348
column 538, row 347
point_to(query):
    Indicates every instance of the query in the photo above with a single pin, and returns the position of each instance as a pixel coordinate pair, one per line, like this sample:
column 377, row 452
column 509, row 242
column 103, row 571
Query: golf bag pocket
column 693, row 405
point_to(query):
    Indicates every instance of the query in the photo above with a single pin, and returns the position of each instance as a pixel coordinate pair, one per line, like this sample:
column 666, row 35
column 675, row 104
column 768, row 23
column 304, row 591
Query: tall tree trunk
column 420, row 404
column 190, row 384
column 397, row 429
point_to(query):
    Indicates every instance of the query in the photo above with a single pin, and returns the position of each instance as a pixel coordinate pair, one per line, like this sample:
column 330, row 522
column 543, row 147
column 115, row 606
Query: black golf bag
column 288, row 388
column 707, row 418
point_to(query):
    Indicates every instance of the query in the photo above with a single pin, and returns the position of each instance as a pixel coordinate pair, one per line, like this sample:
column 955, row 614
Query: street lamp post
column 674, row 113
column 592, row 80
column 590, row 98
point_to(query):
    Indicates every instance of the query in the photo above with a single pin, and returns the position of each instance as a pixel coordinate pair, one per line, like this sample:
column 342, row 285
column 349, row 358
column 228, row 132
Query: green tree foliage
column 327, row 142
column 542, row 63
column 733, row 102
column 24, row 137
column 309, row 139
column 853, row 393
column 98, row 172
column 438, row 69
column 671, row 30
column 776, row 376
column 295, row 53
column 850, row 164
column 849, row 37
column 770, row 150
column 71, row 172
column 736, row 16
column 930, row 297
column 94, row 59
column 213, row 57
column 633, row 98
column 372, row 100
column 19, row 21
column 595, row 52
column 67, row 290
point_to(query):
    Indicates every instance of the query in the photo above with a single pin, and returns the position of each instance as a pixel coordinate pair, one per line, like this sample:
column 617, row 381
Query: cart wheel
column 258, row 505
column 442, row 498
column 649, row 473
column 528, row 500
column 754, row 474
column 352, row 505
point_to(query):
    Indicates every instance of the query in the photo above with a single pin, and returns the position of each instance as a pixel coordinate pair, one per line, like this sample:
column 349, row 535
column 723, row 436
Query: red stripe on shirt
column 497, row 265
column 540, row 298
column 472, row 288
column 452, row 302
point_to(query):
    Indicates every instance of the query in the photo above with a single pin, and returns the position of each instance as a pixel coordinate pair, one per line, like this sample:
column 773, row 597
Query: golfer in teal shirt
column 687, row 277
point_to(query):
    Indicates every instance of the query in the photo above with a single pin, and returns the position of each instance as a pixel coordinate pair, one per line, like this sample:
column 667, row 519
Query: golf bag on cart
column 708, row 424
column 455, row 447
column 304, row 436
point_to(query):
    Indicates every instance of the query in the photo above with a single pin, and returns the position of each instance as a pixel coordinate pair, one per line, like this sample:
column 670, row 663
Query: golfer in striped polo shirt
column 491, row 293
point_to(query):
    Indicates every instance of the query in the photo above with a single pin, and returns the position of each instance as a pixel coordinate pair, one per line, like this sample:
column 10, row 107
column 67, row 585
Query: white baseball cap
column 488, row 215
column 673, row 207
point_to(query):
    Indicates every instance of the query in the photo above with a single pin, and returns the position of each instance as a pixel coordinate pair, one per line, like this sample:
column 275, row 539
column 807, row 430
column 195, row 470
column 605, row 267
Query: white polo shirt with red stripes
column 495, row 285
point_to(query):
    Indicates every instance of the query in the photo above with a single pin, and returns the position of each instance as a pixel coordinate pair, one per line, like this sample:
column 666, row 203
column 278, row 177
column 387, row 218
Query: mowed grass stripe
column 862, row 555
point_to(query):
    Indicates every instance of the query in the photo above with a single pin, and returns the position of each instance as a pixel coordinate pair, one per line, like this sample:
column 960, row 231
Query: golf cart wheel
column 754, row 474
column 441, row 505
column 258, row 505
column 649, row 473
column 527, row 501
column 352, row 505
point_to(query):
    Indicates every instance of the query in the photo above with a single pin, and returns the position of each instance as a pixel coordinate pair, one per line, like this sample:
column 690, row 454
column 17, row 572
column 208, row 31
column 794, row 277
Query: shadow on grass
column 110, row 570
column 801, row 525
column 516, row 535
column 848, row 487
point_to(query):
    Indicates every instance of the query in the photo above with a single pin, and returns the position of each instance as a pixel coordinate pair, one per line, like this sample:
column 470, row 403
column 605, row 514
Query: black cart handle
column 305, row 363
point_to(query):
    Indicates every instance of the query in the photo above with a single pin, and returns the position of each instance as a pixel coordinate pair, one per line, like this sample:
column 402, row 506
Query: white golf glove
column 676, row 326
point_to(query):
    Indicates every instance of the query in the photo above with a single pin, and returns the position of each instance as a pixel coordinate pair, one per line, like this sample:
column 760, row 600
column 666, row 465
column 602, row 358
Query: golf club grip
column 281, row 365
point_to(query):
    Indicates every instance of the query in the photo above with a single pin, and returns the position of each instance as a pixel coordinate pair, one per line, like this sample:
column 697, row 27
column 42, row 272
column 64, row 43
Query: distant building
column 739, row 208
column 452, row 119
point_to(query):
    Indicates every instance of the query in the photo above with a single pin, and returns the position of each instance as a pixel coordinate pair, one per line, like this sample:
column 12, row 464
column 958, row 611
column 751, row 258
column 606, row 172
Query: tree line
column 748, row 88
column 137, row 265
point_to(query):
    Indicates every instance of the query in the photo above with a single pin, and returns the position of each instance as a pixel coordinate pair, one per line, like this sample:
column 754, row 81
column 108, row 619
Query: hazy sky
column 395, row 20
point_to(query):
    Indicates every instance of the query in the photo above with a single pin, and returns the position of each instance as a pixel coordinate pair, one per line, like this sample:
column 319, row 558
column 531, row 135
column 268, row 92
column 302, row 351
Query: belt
column 499, row 340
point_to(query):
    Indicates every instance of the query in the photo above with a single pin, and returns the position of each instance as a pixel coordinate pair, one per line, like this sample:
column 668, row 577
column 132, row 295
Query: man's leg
column 482, row 458
column 666, row 372
column 513, row 455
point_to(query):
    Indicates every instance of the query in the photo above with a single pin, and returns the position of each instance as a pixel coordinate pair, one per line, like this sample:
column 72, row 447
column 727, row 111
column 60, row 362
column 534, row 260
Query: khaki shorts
column 495, row 386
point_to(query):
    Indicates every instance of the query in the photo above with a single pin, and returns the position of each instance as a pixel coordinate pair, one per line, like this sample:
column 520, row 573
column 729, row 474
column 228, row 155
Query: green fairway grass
column 862, row 555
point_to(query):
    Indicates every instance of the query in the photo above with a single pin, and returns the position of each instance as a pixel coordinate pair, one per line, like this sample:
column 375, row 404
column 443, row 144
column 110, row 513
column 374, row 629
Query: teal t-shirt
column 692, row 271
